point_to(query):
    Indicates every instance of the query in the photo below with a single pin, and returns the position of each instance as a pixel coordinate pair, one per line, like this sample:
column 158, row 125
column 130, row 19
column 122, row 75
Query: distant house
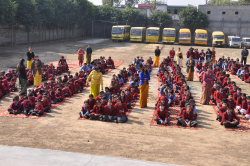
column 175, row 10
column 162, row 7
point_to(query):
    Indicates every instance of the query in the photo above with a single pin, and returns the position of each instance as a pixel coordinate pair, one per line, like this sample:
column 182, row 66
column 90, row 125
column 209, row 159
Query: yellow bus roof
column 138, row 27
column 185, row 30
column 217, row 33
column 200, row 31
column 169, row 29
column 154, row 28
column 121, row 26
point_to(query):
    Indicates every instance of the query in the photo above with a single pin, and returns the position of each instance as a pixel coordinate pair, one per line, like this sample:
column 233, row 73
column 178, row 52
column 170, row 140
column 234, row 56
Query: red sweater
column 39, row 108
column 162, row 114
column 225, row 117
column 108, row 111
column 122, row 107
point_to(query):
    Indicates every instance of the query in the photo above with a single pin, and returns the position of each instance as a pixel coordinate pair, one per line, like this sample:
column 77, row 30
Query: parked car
column 233, row 41
column 245, row 41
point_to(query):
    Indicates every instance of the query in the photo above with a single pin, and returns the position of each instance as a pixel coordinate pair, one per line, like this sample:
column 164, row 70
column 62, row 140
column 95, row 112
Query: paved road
column 21, row 156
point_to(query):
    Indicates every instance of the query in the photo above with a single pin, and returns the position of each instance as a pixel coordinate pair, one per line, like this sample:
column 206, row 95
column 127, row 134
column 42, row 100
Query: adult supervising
column 22, row 77
column 96, row 80
column 88, row 54
column 207, row 85
column 144, row 78
column 157, row 56
column 30, row 57
column 244, row 54
column 36, row 70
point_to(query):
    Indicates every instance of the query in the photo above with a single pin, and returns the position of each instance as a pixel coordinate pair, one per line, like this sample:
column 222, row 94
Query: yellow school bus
column 218, row 39
column 184, row 36
column 168, row 35
column 137, row 34
column 152, row 35
column 200, row 37
column 120, row 32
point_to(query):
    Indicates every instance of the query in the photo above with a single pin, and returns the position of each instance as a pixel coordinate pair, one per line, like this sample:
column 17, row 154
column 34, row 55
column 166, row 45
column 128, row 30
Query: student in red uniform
column 121, row 110
column 97, row 112
column 38, row 111
column 229, row 119
column 172, row 54
column 109, row 112
column 45, row 102
column 186, row 118
column 15, row 107
column 240, row 102
column 110, row 63
column 222, row 109
column 162, row 115
column 245, row 105
column 26, row 106
column 91, row 101
column 31, row 99
column 220, row 94
column 85, row 111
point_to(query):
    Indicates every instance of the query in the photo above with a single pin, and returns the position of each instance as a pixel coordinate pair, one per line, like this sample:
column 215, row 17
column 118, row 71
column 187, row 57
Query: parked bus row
column 152, row 35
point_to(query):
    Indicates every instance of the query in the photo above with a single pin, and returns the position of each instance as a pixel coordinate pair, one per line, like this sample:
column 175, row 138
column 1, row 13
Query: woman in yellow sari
column 36, row 70
column 190, row 69
column 144, row 78
column 179, row 57
column 157, row 56
column 96, row 80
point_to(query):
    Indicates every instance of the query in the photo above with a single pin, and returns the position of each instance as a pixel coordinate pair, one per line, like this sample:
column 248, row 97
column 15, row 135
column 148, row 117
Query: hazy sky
column 169, row 2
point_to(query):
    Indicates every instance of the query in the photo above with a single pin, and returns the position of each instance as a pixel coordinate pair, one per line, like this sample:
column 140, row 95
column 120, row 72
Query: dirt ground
column 60, row 129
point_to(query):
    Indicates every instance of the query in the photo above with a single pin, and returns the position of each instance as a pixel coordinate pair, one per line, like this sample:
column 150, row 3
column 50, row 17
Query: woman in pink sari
column 207, row 85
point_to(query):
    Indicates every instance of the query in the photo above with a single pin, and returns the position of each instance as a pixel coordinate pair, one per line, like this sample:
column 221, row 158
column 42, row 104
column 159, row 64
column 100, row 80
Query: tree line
column 66, row 14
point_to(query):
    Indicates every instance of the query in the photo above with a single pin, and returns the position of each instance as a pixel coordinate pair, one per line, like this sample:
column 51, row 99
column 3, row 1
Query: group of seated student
column 105, row 64
column 112, row 104
column 8, row 80
column 170, row 74
column 39, row 100
column 226, row 94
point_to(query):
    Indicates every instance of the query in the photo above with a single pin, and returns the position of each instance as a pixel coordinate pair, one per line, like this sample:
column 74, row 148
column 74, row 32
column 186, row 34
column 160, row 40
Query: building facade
column 230, row 19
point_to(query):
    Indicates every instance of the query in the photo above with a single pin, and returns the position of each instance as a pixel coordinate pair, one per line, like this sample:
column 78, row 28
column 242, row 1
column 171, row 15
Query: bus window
column 169, row 33
column 216, row 37
column 184, row 34
column 136, row 32
column 117, row 30
column 201, row 35
column 152, row 32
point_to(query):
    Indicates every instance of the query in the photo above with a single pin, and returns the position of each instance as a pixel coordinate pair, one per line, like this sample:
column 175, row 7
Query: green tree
column 27, row 14
column 108, row 13
column 131, row 3
column 86, row 12
column 46, row 10
column 134, row 17
column 160, row 19
column 112, row 3
column 192, row 19
column 7, row 12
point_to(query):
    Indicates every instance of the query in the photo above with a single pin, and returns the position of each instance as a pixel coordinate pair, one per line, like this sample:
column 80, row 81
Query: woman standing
column 80, row 56
column 190, row 69
column 144, row 78
column 179, row 57
column 208, row 55
column 96, row 79
column 157, row 56
column 37, row 71
column 22, row 77
column 30, row 57
column 213, row 56
column 207, row 85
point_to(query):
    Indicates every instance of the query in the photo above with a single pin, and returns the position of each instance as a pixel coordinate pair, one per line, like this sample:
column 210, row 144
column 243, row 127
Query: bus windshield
column 201, row 35
column 136, row 32
column 169, row 33
column 247, row 40
column 216, row 37
column 117, row 30
column 152, row 32
column 235, row 39
column 184, row 34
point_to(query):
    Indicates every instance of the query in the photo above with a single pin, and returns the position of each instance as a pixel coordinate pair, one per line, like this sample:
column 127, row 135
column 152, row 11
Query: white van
column 233, row 41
